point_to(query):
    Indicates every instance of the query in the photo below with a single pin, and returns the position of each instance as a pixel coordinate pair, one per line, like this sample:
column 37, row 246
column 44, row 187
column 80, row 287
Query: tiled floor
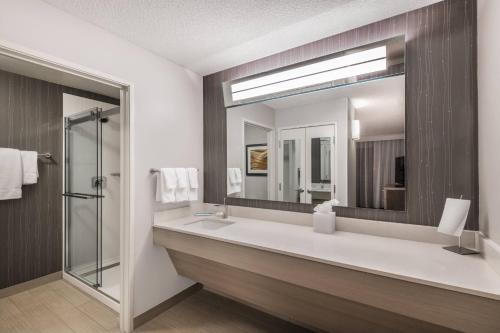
column 205, row 312
column 58, row 307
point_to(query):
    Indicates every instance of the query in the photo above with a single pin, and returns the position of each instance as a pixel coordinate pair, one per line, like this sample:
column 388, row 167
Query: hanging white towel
column 166, row 183
column 193, row 184
column 182, row 190
column 237, row 176
column 30, row 167
column 232, row 175
column 237, row 184
column 228, row 182
column 11, row 174
column 232, row 181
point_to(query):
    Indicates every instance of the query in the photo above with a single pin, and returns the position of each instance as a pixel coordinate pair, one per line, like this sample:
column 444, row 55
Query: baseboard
column 160, row 308
column 20, row 287
column 490, row 251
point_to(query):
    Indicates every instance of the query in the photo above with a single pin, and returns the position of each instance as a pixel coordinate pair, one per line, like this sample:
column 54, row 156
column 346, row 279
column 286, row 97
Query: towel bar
column 47, row 156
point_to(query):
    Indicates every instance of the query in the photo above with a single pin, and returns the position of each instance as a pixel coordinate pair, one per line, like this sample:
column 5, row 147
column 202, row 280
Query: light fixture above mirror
column 363, row 62
column 375, row 60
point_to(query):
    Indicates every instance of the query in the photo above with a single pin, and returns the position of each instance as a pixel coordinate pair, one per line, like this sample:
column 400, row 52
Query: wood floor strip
column 106, row 317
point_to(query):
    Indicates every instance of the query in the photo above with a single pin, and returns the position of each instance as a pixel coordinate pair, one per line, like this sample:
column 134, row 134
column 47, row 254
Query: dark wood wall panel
column 31, row 118
column 441, row 110
column 31, row 227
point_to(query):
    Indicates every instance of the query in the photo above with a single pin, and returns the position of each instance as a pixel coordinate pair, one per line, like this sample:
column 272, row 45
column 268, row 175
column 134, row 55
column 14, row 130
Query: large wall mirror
column 332, row 129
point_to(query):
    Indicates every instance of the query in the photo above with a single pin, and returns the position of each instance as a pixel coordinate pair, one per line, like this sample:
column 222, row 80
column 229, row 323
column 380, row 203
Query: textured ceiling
column 210, row 35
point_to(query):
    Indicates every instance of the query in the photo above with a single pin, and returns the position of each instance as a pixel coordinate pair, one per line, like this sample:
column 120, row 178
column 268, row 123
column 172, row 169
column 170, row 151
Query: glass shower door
column 83, row 196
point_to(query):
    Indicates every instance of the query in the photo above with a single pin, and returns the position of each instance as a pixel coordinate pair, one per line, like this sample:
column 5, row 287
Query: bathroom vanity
column 323, row 122
column 346, row 281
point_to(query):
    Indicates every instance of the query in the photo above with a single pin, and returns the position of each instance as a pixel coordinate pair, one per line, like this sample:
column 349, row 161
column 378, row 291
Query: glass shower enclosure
column 83, row 183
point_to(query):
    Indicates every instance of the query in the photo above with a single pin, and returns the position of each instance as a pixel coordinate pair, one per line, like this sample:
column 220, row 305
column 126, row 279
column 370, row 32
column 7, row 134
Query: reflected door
column 306, row 159
column 83, row 196
column 319, row 176
column 291, row 165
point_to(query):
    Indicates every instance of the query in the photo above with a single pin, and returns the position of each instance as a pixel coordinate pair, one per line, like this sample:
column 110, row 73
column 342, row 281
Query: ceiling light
column 354, row 64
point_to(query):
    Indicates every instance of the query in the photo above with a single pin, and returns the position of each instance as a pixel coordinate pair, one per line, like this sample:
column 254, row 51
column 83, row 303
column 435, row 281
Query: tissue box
column 324, row 222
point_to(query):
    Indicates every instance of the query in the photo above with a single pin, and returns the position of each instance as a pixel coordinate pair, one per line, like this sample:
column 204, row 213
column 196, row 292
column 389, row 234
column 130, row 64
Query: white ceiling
column 211, row 35
column 379, row 104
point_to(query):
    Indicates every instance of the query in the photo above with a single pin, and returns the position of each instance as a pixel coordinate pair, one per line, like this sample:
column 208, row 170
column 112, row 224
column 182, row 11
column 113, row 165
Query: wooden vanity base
column 322, row 296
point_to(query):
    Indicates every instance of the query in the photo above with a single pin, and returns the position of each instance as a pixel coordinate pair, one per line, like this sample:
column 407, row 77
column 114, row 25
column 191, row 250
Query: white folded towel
column 182, row 190
column 230, row 189
column 166, row 183
column 30, row 167
column 11, row 174
column 232, row 181
column 193, row 177
column 232, row 175
column 237, row 188
column 237, row 175
column 193, row 184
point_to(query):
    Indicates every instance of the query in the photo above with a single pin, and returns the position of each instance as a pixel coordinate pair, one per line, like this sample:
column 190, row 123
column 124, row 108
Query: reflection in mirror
column 344, row 144
column 291, row 173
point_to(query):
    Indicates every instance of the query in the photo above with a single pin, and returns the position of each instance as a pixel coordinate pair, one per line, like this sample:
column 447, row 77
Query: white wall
column 489, row 117
column 257, row 113
column 83, row 227
column 168, row 126
column 326, row 111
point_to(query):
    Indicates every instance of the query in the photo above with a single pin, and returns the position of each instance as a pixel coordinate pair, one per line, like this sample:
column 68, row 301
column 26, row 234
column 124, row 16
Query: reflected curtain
column 375, row 168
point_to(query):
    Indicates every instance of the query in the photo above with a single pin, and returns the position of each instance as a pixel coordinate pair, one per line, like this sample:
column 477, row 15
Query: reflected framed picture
column 256, row 160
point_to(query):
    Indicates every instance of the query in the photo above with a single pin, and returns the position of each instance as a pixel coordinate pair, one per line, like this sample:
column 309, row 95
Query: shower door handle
column 82, row 195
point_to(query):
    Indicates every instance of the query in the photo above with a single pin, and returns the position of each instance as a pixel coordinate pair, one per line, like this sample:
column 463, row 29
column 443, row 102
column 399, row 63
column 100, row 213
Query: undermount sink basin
column 210, row 224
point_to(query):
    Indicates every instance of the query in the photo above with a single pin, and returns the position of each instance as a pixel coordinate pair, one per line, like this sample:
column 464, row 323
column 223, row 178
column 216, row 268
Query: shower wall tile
column 441, row 110
column 31, row 118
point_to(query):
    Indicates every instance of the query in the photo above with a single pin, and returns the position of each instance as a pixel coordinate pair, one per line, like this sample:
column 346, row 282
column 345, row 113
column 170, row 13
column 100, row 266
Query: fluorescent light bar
column 310, row 80
column 322, row 66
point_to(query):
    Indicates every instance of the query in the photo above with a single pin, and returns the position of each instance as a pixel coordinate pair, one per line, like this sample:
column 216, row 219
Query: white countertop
column 419, row 262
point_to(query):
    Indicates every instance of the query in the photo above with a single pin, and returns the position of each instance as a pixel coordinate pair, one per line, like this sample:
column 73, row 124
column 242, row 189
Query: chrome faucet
column 221, row 214
column 224, row 211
